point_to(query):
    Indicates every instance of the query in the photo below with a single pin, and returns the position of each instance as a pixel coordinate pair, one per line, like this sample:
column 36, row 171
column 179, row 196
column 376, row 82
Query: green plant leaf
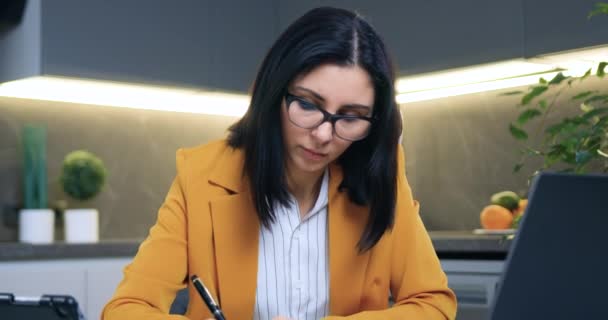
column 583, row 95
column 534, row 92
column 527, row 115
column 532, row 152
column 565, row 127
column 585, row 107
column 600, row 8
column 517, row 167
column 600, row 69
column 583, row 156
column 555, row 129
column 600, row 97
column 594, row 112
column 556, row 152
column 542, row 80
column 588, row 73
column 593, row 142
column 511, row 93
column 558, row 79
column 603, row 122
column 543, row 104
column 517, row 132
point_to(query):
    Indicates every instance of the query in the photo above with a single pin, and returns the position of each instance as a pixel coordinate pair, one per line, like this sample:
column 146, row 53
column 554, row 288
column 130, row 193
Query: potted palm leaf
column 83, row 175
column 36, row 220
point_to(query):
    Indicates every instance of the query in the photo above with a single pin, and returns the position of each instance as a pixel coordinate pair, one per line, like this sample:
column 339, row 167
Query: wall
column 458, row 153
column 138, row 147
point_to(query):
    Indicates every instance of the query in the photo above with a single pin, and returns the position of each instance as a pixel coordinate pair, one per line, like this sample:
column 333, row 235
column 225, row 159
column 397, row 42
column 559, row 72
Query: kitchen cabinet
column 193, row 43
column 475, row 283
column 242, row 33
column 139, row 41
column 220, row 44
column 431, row 35
column 91, row 281
column 552, row 26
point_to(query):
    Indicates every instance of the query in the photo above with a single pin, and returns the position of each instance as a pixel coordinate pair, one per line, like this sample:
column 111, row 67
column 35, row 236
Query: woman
column 304, row 212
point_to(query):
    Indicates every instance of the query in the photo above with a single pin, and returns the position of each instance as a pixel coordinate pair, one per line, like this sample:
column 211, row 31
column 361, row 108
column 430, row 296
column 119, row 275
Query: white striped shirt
column 293, row 270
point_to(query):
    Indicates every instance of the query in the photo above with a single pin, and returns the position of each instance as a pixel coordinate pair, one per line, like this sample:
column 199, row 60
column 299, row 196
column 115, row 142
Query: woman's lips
column 312, row 155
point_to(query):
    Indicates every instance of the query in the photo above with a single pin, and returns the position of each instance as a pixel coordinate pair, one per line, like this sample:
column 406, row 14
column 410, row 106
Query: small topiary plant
column 83, row 175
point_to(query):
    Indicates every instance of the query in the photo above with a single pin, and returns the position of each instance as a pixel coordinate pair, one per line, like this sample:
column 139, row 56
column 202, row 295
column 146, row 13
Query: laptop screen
column 558, row 262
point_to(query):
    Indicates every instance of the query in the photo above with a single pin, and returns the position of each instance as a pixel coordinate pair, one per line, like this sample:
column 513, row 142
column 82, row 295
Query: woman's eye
column 351, row 113
column 306, row 105
column 350, row 120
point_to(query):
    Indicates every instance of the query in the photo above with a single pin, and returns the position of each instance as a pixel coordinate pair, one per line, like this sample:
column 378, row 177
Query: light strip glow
column 126, row 95
column 470, row 75
column 461, row 81
column 471, row 88
column 496, row 76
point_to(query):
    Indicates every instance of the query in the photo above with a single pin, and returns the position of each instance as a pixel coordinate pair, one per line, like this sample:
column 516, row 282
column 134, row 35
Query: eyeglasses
column 307, row 115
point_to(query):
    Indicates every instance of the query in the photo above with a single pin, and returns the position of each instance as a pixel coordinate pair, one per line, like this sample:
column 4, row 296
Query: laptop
column 46, row 307
column 557, row 267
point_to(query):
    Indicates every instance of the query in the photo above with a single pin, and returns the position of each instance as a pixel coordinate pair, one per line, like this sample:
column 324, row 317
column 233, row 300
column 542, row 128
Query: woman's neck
column 305, row 187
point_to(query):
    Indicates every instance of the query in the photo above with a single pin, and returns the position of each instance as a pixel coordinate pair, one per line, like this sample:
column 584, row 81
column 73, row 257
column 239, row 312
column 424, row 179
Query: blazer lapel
column 235, row 233
column 346, row 266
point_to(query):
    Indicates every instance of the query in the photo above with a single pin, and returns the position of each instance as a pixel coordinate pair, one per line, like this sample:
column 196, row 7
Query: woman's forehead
column 346, row 84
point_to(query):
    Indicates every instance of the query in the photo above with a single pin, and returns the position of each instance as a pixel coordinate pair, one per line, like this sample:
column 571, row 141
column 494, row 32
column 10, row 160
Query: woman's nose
column 324, row 132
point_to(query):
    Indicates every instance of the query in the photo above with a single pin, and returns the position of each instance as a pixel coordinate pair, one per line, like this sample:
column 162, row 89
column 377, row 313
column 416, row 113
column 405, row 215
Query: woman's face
column 337, row 90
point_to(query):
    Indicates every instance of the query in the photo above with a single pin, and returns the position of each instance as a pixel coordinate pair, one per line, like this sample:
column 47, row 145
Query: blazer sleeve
column 418, row 284
column 159, row 269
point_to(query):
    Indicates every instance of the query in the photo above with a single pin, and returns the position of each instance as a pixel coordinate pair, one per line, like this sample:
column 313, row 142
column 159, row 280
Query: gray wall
column 458, row 153
column 138, row 147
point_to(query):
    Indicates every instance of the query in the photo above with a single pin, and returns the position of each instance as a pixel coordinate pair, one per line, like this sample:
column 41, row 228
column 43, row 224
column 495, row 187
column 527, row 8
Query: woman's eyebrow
column 316, row 95
column 319, row 97
column 356, row 106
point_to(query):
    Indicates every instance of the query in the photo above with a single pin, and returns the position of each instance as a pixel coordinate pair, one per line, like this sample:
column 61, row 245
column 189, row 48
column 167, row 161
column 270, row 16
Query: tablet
column 46, row 307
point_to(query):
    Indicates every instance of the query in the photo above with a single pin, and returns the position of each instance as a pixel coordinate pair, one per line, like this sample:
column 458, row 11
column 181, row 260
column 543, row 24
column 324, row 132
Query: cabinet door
column 33, row 279
column 102, row 278
column 474, row 283
column 431, row 35
column 242, row 32
column 557, row 25
column 156, row 41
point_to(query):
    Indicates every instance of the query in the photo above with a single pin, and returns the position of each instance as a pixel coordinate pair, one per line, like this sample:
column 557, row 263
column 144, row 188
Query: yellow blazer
column 207, row 226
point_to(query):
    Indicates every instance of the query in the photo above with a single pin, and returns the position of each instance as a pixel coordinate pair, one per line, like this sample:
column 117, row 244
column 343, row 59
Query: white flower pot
column 36, row 226
column 81, row 225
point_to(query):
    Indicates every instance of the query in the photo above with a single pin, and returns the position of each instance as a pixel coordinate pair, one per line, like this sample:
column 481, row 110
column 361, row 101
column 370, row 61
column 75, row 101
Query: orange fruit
column 496, row 217
column 521, row 208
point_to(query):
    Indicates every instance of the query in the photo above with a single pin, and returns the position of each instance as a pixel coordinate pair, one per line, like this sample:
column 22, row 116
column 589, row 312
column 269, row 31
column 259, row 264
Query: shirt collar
column 322, row 198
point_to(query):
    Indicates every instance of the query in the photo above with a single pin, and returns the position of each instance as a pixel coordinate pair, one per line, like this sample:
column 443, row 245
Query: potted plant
column 575, row 143
column 83, row 175
column 36, row 220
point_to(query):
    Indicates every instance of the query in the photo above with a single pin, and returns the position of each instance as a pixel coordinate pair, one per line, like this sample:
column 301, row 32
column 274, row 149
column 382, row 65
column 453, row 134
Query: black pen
column 202, row 290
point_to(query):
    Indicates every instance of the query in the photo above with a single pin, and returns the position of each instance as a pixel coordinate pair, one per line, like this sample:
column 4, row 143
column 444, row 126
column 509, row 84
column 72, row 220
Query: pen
column 202, row 290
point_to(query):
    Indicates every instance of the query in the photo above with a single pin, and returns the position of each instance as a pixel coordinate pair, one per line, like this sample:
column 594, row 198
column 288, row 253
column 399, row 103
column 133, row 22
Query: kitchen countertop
column 466, row 245
column 448, row 244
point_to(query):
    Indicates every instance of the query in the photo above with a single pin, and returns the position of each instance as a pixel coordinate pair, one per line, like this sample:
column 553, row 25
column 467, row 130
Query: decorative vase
column 81, row 225
column 36, row 226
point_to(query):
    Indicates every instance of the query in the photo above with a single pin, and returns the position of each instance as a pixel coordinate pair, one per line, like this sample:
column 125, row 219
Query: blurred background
column 133, row 81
